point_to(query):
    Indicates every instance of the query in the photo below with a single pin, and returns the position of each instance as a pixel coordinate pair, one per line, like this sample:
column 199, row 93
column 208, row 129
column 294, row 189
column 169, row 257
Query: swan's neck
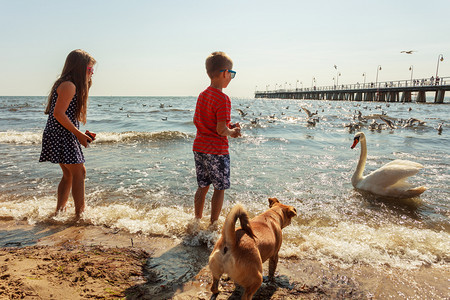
column 358, row 175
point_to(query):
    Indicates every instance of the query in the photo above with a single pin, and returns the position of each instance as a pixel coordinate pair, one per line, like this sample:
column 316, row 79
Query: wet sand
column 84, row 261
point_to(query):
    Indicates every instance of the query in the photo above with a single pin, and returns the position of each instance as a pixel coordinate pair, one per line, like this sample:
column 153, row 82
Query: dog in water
column 240, row 253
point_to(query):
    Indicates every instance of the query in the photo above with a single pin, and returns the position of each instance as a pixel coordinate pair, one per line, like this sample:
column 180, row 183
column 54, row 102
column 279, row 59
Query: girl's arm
column 66, row 91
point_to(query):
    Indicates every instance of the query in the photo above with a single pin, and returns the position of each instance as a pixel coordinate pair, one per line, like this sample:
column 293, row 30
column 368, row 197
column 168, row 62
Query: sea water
column 141, row 175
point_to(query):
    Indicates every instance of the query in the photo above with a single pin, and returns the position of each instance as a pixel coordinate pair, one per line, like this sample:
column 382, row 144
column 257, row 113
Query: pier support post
column 358, row 96
column 421, row 98
column 369, row 96
column 406, row 97
column 350, row 96
column 439, row 97
column 392, row 97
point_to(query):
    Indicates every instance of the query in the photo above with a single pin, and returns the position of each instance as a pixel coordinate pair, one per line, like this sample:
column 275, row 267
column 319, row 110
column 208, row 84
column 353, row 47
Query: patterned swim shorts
column 213, row 169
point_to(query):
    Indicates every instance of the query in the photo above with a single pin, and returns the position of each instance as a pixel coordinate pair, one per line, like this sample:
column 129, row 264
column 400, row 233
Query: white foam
column 26, row 137
column 350, row 243
column 344, row 243
column 18, row 137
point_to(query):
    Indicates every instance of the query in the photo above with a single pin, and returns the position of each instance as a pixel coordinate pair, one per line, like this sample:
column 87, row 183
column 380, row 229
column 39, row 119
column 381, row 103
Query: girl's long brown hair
column 75, row 71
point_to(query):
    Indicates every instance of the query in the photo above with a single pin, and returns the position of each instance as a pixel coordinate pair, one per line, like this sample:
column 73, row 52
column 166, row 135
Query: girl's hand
column 83, row 138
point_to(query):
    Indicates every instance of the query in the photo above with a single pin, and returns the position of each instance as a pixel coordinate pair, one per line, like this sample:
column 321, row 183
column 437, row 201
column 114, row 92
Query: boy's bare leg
column 199, row 201
column 216, row 204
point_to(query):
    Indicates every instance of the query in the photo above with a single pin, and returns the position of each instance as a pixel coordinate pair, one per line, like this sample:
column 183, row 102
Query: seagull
column 310, row 114
column 389, row 123
column 408, row 52
column 241, row 112
column 311, row 122
column 381, row 126
column 373, row 125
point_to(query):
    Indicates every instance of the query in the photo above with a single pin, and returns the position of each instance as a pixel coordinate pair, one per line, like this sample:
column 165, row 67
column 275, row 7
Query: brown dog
column 240, row 253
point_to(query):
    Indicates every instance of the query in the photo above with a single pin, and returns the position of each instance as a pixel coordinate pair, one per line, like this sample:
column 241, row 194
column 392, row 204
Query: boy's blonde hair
column 216, row 62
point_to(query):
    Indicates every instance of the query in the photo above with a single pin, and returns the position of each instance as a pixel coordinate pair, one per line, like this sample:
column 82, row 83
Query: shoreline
column 60, row 261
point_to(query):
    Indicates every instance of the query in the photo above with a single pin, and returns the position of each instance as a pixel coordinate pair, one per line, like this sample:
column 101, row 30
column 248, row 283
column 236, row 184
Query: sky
column 158, row 48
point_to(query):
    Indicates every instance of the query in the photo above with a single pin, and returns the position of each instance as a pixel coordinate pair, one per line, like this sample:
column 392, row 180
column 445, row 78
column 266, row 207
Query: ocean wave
column 20, row 137
column 344, row 244
column 26, row 137
column 134, row 136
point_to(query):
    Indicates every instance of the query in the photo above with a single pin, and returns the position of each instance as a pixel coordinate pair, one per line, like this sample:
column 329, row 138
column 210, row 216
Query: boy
column 212, row 120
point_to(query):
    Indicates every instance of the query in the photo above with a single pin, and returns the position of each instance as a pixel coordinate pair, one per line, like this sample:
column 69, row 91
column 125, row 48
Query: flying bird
column 408, row 52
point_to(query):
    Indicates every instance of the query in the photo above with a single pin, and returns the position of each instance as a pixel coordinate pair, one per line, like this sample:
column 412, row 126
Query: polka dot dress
column 59, row 145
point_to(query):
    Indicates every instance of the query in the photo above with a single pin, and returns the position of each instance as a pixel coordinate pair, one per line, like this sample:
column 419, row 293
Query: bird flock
column 384, row 122
column 372, row 121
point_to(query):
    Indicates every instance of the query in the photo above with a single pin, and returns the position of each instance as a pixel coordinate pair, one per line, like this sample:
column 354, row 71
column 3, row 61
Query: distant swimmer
column 408, row 52
column 439, row 128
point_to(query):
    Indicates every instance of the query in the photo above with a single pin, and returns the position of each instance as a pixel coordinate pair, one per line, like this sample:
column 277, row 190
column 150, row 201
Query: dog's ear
column 272, row 201
column 292, row 212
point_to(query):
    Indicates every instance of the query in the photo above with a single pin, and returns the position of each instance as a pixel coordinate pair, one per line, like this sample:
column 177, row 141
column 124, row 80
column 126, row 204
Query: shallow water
column 141, row 176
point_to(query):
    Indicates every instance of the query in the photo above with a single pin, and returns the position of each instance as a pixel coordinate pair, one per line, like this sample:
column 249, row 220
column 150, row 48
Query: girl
column 62, row 139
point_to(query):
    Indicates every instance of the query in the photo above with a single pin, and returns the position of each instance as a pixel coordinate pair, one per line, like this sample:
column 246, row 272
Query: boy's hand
column 236, row 132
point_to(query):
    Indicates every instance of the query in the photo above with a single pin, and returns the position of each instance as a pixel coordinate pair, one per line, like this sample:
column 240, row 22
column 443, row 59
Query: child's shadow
column 28, row 237
column 169, row 272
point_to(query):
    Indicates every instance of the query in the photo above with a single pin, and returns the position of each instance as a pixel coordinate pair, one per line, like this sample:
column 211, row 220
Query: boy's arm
column 223, row 130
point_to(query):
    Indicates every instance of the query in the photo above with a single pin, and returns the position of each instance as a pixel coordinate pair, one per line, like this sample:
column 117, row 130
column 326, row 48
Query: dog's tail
column 229, row 233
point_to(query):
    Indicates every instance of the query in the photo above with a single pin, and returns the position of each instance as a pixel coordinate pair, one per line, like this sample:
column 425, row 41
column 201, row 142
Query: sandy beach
column 92, row 262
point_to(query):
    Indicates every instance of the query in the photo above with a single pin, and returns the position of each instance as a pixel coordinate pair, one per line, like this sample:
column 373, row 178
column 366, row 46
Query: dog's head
column 286, row 211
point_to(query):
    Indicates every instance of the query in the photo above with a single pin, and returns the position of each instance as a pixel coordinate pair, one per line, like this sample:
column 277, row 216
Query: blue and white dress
column 59, row 145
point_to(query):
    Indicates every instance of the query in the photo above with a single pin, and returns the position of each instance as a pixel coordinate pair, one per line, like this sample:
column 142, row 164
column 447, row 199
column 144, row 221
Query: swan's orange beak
column 355, row 141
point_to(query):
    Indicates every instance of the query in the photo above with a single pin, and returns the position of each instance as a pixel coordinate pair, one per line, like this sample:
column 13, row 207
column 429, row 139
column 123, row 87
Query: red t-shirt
column 212, row 107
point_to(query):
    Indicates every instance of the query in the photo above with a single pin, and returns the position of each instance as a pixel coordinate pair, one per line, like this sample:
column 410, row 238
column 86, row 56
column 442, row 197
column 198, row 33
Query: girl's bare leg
column 63, row 189
column 78, row 172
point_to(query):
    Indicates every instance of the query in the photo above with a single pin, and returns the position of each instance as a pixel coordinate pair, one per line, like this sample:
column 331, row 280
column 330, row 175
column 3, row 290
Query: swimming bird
column 353, row 126
column 311, row 122
column 241, row 112
column 439, row 128
column 164, row 118
column 373, row 125
column 411, row 121
column 161, row 105
column 390, row 179
column 310, row 114
column 389, row 123
column 381, row 126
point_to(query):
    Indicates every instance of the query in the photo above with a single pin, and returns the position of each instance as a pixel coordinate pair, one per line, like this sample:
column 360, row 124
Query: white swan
column 390, row 179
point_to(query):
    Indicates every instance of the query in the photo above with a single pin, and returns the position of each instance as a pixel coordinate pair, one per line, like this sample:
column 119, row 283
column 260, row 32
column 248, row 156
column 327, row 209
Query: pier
column 388, row 91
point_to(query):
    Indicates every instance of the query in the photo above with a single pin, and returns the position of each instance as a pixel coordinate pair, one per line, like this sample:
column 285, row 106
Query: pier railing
column 378, row 91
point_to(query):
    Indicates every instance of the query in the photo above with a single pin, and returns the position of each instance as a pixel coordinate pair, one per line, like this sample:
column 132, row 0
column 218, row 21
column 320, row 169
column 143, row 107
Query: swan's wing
column 406, row 163
column 392, row 173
